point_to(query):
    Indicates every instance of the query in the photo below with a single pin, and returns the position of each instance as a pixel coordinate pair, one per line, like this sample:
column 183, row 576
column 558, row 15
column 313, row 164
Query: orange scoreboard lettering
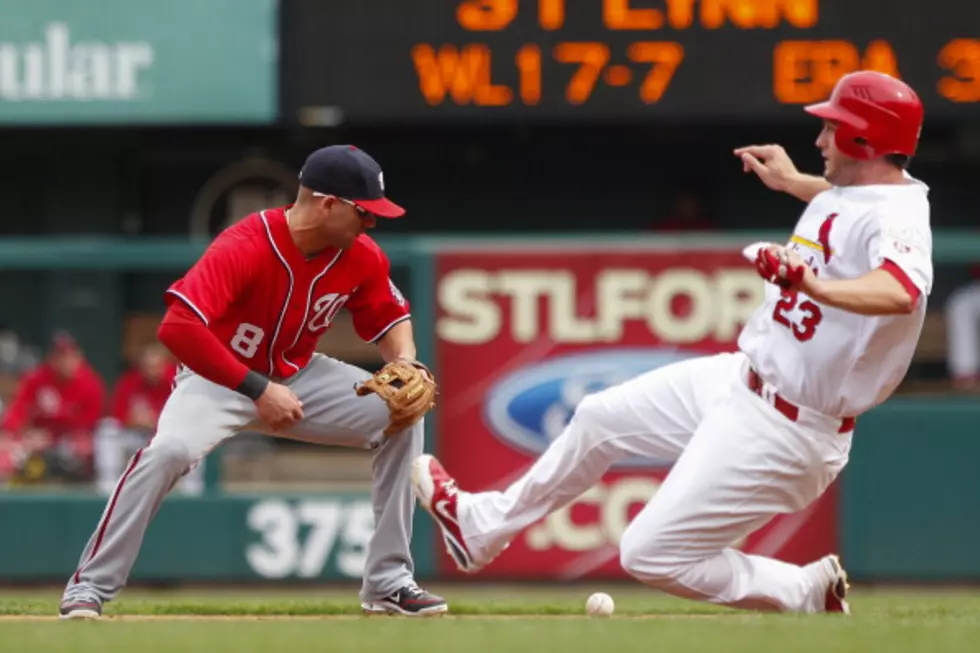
column 514, row 60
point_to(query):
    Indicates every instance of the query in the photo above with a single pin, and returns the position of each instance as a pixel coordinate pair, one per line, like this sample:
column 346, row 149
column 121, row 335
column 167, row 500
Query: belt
column 789, row 410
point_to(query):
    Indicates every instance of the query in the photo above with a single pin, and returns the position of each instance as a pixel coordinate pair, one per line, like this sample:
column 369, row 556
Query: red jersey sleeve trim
column 389, row 327
column 893, row 269
column 190, row 305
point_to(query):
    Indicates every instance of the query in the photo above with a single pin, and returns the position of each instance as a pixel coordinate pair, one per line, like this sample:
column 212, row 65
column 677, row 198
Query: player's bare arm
column 773, row 166
column 877, row 293
column 399, row 342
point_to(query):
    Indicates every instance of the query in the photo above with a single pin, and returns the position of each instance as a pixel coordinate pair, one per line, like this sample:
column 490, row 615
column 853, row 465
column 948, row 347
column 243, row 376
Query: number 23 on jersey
column 802, row 329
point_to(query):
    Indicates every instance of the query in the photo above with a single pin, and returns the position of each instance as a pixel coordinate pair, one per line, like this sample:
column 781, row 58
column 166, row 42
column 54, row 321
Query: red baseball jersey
column 269, row 303
column 134, row 392
column 45, row 400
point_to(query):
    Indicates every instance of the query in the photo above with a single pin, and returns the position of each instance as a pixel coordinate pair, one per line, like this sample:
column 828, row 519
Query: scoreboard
column 607, row 60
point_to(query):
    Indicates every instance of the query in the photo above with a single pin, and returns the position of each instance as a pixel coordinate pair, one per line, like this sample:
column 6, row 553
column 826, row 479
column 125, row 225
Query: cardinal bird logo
column 823, row 235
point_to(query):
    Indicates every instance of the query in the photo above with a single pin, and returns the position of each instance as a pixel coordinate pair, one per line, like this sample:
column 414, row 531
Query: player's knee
column 631, row 553
column 591, row 415
column 644, row 556
column 170, row 454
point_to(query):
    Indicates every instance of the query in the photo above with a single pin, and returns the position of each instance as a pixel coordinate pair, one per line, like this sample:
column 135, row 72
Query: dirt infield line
column 349, row 617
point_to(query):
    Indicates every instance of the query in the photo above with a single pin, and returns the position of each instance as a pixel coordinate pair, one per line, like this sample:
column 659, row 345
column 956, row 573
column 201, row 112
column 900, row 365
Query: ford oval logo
column 529, row 408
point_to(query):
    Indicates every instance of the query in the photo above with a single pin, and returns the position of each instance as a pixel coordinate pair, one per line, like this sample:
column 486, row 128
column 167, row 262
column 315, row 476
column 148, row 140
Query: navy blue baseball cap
column 349, row 173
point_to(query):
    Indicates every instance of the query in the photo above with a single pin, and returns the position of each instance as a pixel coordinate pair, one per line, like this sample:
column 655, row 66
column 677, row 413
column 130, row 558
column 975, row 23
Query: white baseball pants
column 739, row 462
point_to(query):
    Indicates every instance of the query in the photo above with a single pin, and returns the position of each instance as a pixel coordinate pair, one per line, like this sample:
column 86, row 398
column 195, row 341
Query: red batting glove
column 770, row 268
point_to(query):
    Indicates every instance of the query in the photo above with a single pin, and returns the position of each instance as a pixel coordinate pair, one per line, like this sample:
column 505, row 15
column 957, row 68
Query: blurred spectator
column 963, row 334
column 686, row 214
column 46, row 430
column 136, row 403
column 16, row 358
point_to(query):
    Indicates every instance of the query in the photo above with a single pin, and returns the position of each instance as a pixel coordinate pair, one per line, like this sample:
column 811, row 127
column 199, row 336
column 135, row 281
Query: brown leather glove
column 407, row 387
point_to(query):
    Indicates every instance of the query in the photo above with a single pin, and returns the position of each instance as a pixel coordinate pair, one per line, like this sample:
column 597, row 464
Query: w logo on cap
column 381, row 180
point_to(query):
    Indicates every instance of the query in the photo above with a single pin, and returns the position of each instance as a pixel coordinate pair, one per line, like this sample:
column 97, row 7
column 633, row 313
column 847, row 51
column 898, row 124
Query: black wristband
column 253, row 386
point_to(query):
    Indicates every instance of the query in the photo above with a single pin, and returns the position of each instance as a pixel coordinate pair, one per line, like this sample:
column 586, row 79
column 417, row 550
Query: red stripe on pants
column 108, row 515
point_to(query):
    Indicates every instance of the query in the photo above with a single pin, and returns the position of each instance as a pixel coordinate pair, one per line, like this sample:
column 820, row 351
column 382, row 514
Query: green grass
column 496, row 619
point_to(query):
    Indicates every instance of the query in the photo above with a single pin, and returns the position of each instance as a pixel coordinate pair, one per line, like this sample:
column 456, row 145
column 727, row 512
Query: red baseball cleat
column 438, row 494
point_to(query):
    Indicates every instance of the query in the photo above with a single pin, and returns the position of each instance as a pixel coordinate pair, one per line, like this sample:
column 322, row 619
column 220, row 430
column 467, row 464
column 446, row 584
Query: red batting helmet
column 876, row 115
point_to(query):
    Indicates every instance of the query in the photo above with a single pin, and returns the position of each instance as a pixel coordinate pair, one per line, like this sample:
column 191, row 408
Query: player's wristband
column 253, row 386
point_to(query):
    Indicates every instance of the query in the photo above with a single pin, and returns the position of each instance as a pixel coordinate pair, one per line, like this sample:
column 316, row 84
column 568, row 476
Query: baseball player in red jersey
column 57, row 404
column 765, row 430
column 244, row 323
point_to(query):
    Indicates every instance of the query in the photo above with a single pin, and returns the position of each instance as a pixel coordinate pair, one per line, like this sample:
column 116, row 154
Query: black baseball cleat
column 87, row 608
column 409, row 601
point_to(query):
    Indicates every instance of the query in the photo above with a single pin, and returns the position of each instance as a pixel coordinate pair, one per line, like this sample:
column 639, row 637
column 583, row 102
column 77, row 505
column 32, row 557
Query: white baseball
column 600, row 604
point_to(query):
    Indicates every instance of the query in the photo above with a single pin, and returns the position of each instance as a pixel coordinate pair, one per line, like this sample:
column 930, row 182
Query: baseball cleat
column 438, row 494
column 80, row 609
column 409, row 601
column 837, row 591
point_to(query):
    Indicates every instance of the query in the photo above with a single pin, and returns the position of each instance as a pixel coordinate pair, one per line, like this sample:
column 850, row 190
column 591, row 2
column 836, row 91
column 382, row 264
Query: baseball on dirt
column 600, row 604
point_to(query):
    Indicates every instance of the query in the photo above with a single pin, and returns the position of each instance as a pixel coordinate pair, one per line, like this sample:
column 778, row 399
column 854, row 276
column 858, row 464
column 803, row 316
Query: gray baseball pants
column 200, row 415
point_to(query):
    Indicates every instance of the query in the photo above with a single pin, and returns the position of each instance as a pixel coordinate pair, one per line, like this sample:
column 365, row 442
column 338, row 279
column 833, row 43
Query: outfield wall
column 905, row 510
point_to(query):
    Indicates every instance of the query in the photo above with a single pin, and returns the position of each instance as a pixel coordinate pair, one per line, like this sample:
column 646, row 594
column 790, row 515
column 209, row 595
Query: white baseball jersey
column 826, row 359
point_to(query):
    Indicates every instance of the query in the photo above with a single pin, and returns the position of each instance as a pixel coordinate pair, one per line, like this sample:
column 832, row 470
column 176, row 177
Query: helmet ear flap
column 862, row 143
column 851, row 143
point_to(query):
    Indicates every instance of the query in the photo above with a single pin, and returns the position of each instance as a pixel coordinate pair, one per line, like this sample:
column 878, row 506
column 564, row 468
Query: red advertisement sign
column 523, row 335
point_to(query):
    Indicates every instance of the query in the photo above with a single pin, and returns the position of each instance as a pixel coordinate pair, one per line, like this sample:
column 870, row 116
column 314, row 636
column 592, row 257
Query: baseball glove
column 407, row 387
